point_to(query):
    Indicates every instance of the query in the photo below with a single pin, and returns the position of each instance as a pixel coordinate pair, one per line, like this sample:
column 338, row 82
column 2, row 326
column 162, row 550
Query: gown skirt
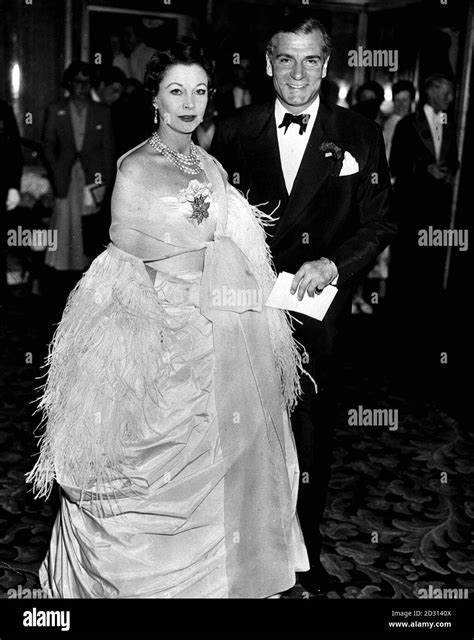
column 194, row 517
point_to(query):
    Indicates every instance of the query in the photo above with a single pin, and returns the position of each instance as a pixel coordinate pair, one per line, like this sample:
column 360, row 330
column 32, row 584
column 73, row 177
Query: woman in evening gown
column 166, row 402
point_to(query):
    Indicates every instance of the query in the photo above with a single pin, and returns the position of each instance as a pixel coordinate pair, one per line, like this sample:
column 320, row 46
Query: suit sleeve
column 402, row 152
column 375, row 225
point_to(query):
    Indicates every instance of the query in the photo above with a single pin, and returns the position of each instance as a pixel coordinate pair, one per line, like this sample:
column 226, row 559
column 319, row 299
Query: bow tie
column 301, row 119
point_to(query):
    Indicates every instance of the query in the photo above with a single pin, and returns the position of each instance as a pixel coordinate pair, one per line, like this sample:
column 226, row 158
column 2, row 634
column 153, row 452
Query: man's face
column 297, row 67
column 130, row 40
column 402, row 103
column 366, row 95
column 110, row 93
column 81, row 86
column 440, row 96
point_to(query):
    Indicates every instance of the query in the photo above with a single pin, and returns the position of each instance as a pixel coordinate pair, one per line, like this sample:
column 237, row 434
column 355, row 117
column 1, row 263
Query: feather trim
column 246, row 227
column 106, row 360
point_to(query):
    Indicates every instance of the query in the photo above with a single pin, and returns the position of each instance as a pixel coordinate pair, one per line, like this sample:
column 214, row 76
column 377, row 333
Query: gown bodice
column 154, row 228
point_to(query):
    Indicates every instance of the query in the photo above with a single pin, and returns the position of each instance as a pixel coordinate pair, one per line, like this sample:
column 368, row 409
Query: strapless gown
column 204, row 505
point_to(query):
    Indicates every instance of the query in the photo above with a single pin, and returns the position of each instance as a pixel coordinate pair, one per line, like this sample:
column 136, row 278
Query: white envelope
column 349, row 165
column 281, row 298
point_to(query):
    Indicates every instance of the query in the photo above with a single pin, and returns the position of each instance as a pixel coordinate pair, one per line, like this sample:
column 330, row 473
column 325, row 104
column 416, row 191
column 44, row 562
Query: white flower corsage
column 198, row 194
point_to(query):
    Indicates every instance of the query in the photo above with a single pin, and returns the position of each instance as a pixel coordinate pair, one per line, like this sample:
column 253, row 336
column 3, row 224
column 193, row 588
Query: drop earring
column 155, row 120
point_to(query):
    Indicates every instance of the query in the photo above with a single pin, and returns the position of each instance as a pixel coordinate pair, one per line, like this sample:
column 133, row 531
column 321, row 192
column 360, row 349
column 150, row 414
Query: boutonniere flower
column 61, row 112
column 330, row 149
column 198, row 194
column 98, row 126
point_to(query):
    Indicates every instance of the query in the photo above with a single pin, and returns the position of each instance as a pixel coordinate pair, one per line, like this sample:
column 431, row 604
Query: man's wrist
column 332, row 264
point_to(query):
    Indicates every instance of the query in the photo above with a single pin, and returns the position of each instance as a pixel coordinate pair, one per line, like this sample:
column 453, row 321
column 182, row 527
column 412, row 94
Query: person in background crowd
column 424, row 162
column 108, row 84
column 403, row 96
column 78, row 144
column 330, row 90
column 135, row 54
column 204, row 134
column 369, row 97
column 234, row 90
column 241, row 90
column 108, row 87
column 11, row 161
column 132, row 118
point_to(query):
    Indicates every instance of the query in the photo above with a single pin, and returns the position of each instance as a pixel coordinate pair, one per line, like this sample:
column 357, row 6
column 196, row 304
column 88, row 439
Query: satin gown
column 206, row 506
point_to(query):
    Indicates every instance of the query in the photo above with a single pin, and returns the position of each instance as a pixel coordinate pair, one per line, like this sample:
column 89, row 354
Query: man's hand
column 13, row 198
column 438, row 170
column 313, row 276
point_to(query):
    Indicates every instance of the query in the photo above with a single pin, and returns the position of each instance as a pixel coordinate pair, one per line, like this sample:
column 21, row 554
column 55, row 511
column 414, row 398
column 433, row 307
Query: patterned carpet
column 401, row 504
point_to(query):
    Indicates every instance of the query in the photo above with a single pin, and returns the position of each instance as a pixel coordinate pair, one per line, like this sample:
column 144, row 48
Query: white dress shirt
column 435, row 120
column 292, row 145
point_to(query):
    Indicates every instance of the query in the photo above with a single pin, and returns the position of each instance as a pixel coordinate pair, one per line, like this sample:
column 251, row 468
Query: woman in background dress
column 78, row 144
column 167, row 398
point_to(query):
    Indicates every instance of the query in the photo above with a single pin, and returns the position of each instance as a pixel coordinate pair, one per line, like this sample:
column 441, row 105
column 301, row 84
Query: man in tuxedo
column 424, row 162
column 323, row 169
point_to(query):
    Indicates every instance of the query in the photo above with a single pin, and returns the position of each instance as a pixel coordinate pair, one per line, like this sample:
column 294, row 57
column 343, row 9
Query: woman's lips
column 187, row 118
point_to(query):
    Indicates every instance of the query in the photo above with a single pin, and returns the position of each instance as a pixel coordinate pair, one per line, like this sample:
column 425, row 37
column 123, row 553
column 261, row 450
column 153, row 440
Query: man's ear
column 325, row 67
column 269, row 67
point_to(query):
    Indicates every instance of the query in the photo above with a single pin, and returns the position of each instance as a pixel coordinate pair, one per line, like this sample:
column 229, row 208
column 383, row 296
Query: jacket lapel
column 423, row 129
column 446, row 142
column 263, row 156
column 314, row 170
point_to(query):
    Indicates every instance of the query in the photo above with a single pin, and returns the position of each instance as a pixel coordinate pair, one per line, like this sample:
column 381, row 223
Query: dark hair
column 304, row 26
column 108, row 74
column 371, row 85
column 186, row 52
column 435, row 79
column 74, row 69
column 404, row 85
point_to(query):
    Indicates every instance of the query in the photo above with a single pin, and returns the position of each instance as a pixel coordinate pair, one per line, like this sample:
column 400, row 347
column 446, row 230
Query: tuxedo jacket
column 418, row 195
column 413, row 148
column 97, row 153
column 10, row 151
column 344, row 218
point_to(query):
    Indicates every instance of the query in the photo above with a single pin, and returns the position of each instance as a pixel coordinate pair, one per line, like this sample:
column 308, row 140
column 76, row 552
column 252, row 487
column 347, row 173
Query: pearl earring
column 156, row 115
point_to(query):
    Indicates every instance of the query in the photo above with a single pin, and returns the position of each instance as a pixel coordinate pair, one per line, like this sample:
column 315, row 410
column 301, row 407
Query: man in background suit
column 11, row 160
column 424, row 161
column 324, row 169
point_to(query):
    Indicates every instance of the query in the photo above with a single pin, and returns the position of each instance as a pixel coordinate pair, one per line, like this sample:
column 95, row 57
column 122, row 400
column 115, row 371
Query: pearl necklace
column 188, row 164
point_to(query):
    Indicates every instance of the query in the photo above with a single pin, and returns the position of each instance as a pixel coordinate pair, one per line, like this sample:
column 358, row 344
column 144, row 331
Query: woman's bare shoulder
column 136, row 162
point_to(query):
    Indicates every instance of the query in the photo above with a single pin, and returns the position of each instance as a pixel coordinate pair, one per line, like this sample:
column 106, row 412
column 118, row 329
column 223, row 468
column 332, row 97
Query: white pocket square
column 349, row 165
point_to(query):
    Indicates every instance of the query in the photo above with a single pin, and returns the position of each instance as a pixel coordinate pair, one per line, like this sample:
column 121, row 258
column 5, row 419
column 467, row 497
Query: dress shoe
column 317, row 580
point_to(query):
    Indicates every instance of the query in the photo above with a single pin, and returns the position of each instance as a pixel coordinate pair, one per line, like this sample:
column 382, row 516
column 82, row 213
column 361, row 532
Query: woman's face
column 182, row 97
